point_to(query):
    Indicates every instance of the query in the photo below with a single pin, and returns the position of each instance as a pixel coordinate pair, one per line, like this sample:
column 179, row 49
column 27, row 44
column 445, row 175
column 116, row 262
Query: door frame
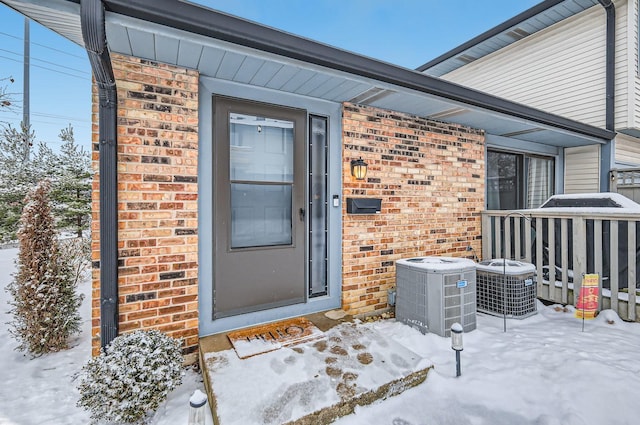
column 208, row 86
column 254, row 266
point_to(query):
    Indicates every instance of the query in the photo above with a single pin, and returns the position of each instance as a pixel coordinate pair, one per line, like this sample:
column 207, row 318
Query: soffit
column 239, row 64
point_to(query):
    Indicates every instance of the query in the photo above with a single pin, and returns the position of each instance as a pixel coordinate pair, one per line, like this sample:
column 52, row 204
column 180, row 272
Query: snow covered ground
column 544, row 371
column 41, row 390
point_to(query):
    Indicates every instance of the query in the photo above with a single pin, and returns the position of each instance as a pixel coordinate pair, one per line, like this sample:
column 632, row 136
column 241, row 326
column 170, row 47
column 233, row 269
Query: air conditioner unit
column 517, row 299
column 433, row 293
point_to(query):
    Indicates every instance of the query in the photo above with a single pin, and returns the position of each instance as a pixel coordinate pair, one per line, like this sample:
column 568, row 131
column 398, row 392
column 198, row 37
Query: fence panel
column 564, row 246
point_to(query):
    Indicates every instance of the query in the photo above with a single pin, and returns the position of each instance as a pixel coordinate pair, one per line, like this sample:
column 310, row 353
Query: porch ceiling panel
column 299, row 66
column 189, row 53
column 411, row 103
column 166, row 49
column 492, row 123
column 231, row 63
column 65, row 20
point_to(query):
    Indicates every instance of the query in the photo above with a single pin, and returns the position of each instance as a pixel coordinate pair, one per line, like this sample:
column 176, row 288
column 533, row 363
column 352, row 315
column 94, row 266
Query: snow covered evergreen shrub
column 130, row 380
column 45, row 303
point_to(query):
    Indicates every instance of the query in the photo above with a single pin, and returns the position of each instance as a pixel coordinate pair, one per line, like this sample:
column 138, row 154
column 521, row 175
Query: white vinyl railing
column 565, row 246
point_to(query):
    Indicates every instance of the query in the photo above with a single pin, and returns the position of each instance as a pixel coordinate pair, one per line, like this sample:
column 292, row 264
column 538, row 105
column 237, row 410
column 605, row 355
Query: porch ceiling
column 284, row 65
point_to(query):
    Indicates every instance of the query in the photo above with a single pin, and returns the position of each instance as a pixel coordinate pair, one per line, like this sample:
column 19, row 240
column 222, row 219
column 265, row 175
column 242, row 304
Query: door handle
column 301, row 213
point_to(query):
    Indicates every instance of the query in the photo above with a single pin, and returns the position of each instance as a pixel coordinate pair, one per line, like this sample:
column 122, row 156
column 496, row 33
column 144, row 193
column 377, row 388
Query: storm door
column 259, row 206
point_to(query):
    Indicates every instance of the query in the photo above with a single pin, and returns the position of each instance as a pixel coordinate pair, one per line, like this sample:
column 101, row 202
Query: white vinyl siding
column 582, row 169
column 560, row 69
column 627, row 150
column 634, row 64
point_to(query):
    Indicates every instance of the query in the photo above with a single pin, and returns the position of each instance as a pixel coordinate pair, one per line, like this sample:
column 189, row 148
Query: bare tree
column 7, row 98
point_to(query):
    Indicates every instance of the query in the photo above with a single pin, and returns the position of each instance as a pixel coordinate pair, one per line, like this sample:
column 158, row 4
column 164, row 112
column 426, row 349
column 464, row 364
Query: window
column 318, row 264
column 261, row 177
column 517, row 181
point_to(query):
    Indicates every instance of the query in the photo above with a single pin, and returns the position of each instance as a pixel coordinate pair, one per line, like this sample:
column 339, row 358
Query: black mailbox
column 364, row 205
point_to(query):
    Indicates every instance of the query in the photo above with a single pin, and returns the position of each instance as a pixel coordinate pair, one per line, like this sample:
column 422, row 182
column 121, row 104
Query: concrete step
column 314, row 382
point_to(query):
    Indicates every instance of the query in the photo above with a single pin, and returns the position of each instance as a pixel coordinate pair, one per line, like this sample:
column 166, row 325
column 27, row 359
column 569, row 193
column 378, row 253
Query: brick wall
column 157, row 201
column 430, row 176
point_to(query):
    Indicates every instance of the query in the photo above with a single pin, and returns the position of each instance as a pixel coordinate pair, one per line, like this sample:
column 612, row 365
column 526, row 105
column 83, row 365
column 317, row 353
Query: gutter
column 607, row 151
column 92, row 17
column 611, row 62
column 195, row 19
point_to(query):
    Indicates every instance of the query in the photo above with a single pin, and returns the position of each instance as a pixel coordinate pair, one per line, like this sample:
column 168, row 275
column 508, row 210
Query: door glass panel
column 539, row 180
column 260, row 174
column 503, row 181
column 318, row 207
column 260, row 215
column 261, row 149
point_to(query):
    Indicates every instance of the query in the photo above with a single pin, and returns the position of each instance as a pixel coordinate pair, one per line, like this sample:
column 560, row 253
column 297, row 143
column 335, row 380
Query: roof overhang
column 236, row 50
column 529, row 22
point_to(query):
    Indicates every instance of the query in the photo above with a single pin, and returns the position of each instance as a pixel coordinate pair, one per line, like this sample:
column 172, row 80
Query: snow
column 543, row 371
column 626, row 205
column 350, row 360
column 197, row 399
column 438, row 264
column 246, row 349
column 621, row 200
column 42, row 390
column 512, row 267
column 457, row 327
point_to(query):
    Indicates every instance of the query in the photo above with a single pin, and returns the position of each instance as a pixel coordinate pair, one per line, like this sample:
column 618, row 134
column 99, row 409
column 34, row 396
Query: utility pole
column 26, row 83
column 25, row 90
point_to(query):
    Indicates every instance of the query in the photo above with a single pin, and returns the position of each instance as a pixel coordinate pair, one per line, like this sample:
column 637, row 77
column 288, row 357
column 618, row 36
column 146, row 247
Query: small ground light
column 196, row 408
column 456, row 344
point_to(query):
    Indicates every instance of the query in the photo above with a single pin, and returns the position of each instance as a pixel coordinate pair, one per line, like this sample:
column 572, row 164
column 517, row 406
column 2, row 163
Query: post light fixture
column 358, row 168
column 196, row 408
column 456, row 344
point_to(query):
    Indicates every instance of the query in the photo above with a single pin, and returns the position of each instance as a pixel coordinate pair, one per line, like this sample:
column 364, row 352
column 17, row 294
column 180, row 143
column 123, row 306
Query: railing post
column 486, row 236
column 551, row 233
column 597, row 257
column 517, row 238
column 613, row 264
column 564, row 244
column 631, row 262
column 497, row 242
column 527, row 241
column 539, row 258
column 579, row 254
column 507, row 238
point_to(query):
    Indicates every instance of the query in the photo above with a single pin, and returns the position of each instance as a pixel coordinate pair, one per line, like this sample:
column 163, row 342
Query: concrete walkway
column 310, row 383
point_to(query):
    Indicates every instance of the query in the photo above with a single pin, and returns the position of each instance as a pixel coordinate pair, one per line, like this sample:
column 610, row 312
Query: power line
column 42, row 60
column 48, row 69
column 61, row 117
column 45, row 46
column 55, row 117
column 85, row 126
column 61, row 72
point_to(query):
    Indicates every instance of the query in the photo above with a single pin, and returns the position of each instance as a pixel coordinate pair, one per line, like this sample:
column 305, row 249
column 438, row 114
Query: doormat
column 273, row 336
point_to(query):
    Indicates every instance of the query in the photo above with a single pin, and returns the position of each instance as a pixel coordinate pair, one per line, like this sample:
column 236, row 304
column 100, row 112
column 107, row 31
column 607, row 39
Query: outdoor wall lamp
column 456, row 344
column 358, row 168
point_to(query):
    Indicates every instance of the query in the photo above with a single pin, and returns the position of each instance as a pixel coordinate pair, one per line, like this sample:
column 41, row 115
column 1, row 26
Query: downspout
column 93, row 32
column 607, row 151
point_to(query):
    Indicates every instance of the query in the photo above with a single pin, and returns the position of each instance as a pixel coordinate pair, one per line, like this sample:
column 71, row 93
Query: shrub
column 45, row 304
column 132, row 377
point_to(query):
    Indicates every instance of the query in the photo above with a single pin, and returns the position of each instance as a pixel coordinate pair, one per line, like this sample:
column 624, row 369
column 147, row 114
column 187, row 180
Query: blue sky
column 403, row 32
